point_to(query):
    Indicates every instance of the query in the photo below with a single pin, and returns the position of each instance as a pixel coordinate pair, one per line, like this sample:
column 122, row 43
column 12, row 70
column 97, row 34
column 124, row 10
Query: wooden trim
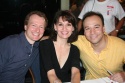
column 31, row 73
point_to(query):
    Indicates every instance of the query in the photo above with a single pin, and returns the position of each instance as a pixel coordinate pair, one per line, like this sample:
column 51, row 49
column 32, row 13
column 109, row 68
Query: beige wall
column 64, row 4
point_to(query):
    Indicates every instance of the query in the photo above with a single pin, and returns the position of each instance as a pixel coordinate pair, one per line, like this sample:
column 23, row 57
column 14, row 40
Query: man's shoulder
column 10, row 42
column 116, row 43
column 10, row 38
column 81, row 37
column 116, row 39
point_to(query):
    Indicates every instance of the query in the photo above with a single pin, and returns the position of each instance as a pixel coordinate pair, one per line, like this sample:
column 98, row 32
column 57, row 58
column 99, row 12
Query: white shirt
column 108, row 8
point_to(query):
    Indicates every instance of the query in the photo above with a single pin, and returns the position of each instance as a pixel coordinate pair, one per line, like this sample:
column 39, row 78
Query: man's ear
column 104, row 29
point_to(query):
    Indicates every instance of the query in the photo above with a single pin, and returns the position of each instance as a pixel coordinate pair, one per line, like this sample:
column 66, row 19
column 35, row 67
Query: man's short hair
column 91, row 13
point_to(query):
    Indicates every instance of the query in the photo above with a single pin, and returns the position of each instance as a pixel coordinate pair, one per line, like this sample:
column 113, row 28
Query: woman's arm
column 75, row 71
column 52, row 77
column 44, row 38
column 75, row 78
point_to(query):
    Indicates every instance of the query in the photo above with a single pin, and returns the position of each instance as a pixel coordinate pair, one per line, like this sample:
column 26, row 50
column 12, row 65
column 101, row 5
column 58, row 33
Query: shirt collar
column 25, row 42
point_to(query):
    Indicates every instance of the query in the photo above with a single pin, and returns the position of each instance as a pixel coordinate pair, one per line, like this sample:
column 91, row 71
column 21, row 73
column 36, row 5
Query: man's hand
column 118, row 77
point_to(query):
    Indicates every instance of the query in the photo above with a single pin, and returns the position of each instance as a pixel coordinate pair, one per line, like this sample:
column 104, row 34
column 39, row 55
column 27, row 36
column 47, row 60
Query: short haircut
column 91, row 13
column 66, row 16
column 41, row 14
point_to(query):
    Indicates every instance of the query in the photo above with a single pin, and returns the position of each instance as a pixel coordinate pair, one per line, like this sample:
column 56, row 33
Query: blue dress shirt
column 16, row 57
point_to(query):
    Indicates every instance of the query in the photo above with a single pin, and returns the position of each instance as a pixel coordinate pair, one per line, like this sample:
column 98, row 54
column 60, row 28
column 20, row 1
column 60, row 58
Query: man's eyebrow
column 86, row 26
column 97, row 25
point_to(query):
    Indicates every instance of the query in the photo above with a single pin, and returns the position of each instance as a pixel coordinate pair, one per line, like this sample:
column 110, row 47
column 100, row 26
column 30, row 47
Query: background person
column 59, row 59
column 110, row 9
column 99, row 52
column 19, row 51
column 76, row 12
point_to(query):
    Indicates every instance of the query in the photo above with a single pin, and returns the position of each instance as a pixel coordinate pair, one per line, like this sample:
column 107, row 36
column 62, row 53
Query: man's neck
column 100, row 46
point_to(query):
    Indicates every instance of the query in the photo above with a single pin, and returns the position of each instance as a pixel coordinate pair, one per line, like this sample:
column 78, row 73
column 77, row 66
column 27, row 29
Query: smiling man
column 18, row 52
column 98, row 51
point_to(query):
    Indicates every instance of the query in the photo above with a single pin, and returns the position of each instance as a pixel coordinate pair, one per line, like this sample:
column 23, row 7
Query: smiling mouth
column 64, row 33
column 35, row 34
column 93, row 37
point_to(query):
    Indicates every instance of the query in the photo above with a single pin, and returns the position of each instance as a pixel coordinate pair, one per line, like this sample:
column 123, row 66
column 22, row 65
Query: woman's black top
column 48, row 61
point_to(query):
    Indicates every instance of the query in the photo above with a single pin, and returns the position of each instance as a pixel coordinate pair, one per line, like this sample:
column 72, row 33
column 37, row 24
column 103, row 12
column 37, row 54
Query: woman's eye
column 69, row 24
column 60, row 24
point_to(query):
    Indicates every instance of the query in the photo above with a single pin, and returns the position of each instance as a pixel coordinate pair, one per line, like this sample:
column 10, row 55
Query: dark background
column 13, row 12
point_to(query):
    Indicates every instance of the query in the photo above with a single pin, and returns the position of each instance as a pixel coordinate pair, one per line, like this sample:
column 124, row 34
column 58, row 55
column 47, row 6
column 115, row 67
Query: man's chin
column 93, row 42
column 36, row 39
